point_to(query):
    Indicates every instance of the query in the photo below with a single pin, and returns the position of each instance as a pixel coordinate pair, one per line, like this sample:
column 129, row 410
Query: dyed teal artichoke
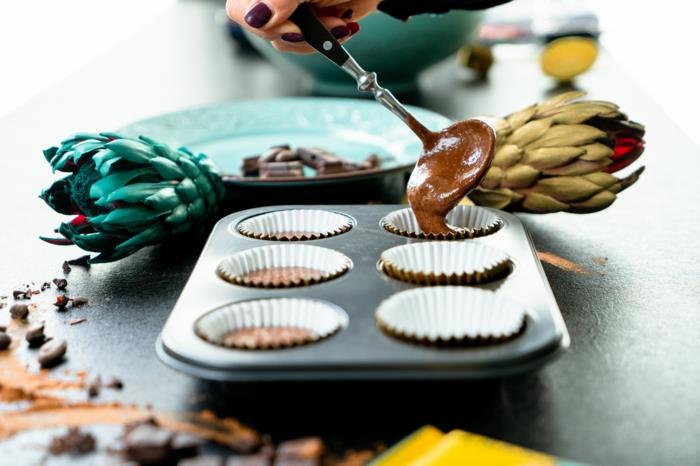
column 129, row 193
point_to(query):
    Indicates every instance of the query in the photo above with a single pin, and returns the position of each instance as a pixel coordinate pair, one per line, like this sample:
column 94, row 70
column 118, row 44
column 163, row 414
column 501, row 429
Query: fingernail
column 354, row 27
column 347, row 14
column 340, row 31
column 258, row 16
column 292, row 37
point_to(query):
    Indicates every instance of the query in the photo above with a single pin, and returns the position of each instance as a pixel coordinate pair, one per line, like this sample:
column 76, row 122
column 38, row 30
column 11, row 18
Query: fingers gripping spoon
column 454, row 159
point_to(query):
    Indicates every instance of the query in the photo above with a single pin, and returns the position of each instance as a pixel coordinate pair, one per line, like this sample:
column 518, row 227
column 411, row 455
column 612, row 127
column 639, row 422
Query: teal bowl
column 397, row 51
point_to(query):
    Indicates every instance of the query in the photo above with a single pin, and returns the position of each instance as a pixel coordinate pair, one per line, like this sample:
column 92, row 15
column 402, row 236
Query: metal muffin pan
column 361, row 350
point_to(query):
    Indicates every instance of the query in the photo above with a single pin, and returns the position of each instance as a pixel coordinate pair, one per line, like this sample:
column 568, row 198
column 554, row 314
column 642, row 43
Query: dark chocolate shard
column 293, row 169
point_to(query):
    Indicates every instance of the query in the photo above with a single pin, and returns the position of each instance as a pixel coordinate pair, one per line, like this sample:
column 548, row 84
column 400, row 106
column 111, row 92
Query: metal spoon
column 318, row 37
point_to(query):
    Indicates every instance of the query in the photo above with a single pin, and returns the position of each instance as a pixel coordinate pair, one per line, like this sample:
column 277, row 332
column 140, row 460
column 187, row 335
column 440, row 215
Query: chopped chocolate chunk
column 93, row 387
column 281, row 169
column 61, row 302
column 302, row 451
column 22, row 294
column 186, row 445
column 79, row 301
column 19, row 311
column 203, row 460
column 5, row 341
column 115, row 384
column 278, row 154
column 147, row 444
column 45, row 286
column 77, row 321
column 82, row 261
column 3, row 328
column 74, row 442
column 259, row 459
column 251, row 166
column 51, row 353
column 35, row 335
column 61, row 283
column 371, row 162
column 66, row 267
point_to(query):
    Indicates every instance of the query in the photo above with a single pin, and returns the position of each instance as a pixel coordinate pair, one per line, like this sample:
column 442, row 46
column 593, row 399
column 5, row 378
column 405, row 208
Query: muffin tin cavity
column 450, row 315
column 445, row 263
column 295, row 225
column 283, row 266
column 466, row 221
column 271, row 323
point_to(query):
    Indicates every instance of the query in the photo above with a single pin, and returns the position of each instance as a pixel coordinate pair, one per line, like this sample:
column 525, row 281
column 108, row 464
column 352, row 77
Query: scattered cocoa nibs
column 66, row 267
column 22, row 294
column 19, row 311
column 2, row 305
column 61, row 302
column 115, row 384
column 3, row 328
column 147, row 443
column 309, row 449
column 79, row 301
column 77, row 321
column 61, row 283
column 35, row 335
column 74, row 442
column 51, row 353
column 93, row 387
column 5, row 341
column 45, row 286
column 82, row 261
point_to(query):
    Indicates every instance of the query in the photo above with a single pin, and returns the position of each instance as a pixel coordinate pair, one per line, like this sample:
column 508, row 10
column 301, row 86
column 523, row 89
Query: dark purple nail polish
column 340, row 31
column 347, row 14
column 292, row 37
column 258, row 16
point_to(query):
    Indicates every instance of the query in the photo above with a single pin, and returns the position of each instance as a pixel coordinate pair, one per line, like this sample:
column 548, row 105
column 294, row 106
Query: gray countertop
column 626, row 392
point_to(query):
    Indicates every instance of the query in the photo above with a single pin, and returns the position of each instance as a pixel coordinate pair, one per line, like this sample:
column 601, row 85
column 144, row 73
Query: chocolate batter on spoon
column 452, row 163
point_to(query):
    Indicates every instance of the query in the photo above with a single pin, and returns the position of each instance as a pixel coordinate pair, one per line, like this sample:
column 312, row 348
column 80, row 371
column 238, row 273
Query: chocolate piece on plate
column 5, row 341
column 292, row 169
column 19, row 311
column 273, row 154
column 61, row 283
column 147, row 444
column 251, row 166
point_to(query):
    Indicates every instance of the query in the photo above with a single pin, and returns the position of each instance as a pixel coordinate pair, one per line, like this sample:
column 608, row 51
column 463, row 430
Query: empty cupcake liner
column 466, row 222
column 311, row 319
column 295, row 225
column 283, row 266
column 450, row 315
column 441, row 263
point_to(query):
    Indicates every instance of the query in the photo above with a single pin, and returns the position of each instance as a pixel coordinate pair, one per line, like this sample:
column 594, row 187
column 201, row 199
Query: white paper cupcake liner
column 450, row 315
column 466, row 222
column 320, row 318
column 330, row 264
column 445, row 263
column 295, row 225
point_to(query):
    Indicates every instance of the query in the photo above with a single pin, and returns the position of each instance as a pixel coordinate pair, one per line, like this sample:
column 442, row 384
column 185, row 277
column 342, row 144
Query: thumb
column 268, row 14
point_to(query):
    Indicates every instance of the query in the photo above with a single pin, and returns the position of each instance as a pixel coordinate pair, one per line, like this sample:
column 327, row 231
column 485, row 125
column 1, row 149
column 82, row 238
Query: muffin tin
column 358, row 345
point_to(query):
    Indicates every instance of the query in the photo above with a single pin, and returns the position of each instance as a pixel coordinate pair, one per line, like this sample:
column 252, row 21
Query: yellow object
column 429, row 447
column 567, row 57
column 413, row 446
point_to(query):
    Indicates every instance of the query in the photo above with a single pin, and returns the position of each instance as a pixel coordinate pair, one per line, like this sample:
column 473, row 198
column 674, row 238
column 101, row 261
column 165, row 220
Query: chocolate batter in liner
column 465, row 222
column 445, row 263
column 276, row 323
column 283, row 266
column 451, row 316
column 295, row 225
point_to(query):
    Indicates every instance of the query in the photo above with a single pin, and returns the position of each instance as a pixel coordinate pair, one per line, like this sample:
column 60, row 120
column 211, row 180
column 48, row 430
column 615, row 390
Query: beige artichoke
column 559, row 155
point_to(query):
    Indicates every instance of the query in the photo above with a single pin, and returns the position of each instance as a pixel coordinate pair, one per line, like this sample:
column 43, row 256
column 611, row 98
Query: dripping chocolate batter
column 452, row 163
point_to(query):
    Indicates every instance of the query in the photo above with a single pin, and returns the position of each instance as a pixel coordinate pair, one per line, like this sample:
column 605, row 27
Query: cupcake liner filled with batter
column 295, row 225
column 465, row 222
column 445, row 263
column 283, row 266
column 451, row 315
column 271, row 323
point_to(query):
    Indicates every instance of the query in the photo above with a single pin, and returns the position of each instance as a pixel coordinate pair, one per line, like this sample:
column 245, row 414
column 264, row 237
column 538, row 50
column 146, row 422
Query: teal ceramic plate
column 352, row 128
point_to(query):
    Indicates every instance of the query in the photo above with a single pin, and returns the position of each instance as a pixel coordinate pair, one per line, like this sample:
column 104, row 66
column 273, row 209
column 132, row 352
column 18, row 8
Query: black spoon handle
column 317, row 36
column 403, row 9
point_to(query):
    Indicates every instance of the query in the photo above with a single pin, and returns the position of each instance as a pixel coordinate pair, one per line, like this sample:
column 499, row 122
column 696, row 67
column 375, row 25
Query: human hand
column 270, row 19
